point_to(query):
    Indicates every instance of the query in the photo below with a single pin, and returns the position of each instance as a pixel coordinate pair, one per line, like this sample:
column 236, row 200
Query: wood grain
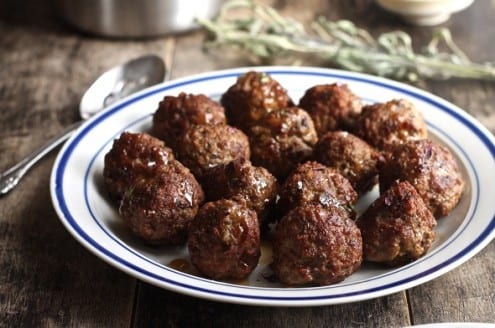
column 463, row 295
column 49, row 279
column 383, row 312
column 46, row 277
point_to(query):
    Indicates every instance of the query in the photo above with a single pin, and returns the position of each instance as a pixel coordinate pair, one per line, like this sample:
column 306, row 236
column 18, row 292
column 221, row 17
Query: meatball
column 133, row 156
column 252, row 96
column 224, row 240
column 176, row 114
column 281, row 140
column 398, row 227
column 316, row 245
column 160, row 209
column 331, row 106
column 313, row 182
column 392, row 122
column 206, row 146
column 430, row 168
column 241, row 181
column 351, row 156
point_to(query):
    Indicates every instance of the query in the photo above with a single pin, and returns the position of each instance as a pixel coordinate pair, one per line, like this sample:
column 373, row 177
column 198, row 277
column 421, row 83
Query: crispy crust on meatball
column 331, row 106
column 351, row 156
column 281, row 140
column 397, row 228
column 252, row 96
column 205, row 146
column 224, row 240
column 430, row 168
column 316, row 245
column 389, row 123
column 176, row 114
column 313, row 182
column 133, row 156
column 243, row 182
column 160, row 209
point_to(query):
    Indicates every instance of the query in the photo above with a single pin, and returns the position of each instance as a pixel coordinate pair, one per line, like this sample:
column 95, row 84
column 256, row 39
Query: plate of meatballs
column 281, row 186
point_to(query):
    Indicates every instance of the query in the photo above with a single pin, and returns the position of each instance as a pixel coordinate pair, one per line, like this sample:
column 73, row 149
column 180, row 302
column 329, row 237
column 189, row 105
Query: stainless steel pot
column 135, row 18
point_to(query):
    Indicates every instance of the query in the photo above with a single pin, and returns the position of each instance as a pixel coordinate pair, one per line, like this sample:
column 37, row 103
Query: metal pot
column 135, row 18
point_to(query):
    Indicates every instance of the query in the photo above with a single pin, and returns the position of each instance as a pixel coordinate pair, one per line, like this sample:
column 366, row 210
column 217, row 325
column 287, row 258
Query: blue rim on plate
column 76, row 165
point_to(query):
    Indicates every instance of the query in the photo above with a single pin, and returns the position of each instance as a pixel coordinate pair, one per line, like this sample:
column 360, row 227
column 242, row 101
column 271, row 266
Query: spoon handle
column 11, row 177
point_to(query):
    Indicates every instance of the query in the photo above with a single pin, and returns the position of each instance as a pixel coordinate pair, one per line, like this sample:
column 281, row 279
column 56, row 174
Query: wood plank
column 157, row 308
column 46, row 277
column 465, row 294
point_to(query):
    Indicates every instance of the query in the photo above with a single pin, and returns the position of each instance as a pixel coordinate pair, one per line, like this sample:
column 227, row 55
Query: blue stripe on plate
column 464, row 119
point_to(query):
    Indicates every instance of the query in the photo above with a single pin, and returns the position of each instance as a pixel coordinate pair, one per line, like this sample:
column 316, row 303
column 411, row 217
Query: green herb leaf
column 261, row 31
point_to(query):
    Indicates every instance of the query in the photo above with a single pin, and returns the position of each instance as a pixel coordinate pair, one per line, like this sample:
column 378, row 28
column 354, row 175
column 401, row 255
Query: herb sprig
column 263, row 32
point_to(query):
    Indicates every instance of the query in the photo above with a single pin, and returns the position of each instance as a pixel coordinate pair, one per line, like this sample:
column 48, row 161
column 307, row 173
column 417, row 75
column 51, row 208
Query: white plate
column 80, row 199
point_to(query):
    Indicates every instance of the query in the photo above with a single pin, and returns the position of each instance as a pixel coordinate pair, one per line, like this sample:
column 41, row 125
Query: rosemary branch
column 263, row 32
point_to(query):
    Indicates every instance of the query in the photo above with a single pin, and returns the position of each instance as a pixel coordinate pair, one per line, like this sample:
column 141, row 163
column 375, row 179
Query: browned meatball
column 224, row 240
column 313, row 182
column 316, row 245
column 133, row 156
column 281, row 140
column 160, row 209
column 252, row 96
column 176, row 114
column 430, row 168
column 241, row 181
column 398, row 227
column 392, row 122
column 331, row 106
column 205, row 146
column 351, row 156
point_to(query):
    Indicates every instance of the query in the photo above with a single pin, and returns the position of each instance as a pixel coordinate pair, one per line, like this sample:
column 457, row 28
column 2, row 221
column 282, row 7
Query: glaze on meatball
column 281, row 140
column 176, row 114
column 331, row 106
column 224, row 240
column 389, row 123
column 252, row 96
column 243, row 182
column 313, row 182
column 351, row 156
column 430, row 168
column 316, row 245
column 398, row 227
column 205, row 146
column 160, row 209
column 133, row 156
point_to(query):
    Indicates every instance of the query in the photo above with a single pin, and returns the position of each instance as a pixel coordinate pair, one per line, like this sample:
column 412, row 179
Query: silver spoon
column 111, row 86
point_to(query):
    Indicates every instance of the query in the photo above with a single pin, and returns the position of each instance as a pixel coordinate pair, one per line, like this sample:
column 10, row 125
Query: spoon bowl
column 121, row 81
column 114, row 84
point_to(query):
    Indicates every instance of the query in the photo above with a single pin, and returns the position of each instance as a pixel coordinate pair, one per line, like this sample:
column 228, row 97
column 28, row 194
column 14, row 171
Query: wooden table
column 48, row 279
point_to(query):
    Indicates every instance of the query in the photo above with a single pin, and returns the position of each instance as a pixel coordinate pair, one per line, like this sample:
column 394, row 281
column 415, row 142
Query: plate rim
column 468, row 251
